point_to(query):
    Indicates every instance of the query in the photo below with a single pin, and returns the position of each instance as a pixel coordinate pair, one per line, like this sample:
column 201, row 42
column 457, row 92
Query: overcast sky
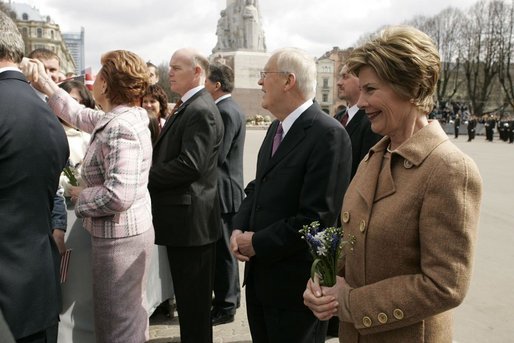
column 155, row 28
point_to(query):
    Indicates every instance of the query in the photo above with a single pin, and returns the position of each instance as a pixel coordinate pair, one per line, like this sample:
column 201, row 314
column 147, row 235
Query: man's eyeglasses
column 264, row 73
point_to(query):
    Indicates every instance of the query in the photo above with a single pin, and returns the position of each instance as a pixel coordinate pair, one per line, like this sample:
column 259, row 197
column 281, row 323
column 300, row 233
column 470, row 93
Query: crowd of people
column 158, row 209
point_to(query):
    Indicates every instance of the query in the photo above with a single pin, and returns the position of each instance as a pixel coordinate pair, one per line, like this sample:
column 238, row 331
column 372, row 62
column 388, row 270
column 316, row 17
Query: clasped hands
column 241, row 245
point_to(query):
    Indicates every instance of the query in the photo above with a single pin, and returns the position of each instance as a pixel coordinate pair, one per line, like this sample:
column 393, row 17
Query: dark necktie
column 177, row 105
column 277, row 139
column 344, row 119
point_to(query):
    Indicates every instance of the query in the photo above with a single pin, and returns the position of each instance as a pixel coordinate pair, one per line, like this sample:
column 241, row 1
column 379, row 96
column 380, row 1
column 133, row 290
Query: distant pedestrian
column 472, row 124
column 456, row 125
column 490, row 124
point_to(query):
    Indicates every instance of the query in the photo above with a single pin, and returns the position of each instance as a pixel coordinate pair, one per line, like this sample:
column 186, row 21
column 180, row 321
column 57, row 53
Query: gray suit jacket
column 230, row 158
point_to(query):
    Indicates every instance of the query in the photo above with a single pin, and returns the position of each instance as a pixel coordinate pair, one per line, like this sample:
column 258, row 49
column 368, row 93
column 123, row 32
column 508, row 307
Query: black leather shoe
column 218, row 318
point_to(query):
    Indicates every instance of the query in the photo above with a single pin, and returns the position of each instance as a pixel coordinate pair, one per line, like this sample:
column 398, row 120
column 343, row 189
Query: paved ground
column 487, row 314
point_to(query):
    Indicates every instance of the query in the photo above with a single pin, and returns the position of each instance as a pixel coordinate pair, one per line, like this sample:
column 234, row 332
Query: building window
column 24, row 31
column 39, row 33
column 52, row 34
column 325, row 98
column 25, row 16
column 325, row 83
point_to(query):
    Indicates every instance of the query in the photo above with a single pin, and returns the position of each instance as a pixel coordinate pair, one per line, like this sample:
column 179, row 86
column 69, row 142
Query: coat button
column 366, row 321
column 398, row 314
column 362, row 225
column 346, row 217
column 382, row 318
column 407, row 164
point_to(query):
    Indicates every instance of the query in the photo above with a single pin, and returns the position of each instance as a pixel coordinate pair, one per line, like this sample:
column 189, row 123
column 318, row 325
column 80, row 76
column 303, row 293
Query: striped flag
column 65, row 261
column 88, row 78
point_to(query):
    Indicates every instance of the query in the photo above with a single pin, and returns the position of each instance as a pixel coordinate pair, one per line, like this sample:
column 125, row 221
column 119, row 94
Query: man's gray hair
column 302, row 65
column 11, row 42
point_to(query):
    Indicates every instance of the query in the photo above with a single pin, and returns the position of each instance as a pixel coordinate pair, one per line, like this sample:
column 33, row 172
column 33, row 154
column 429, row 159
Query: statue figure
column 239, row 27
column 223, row 32
column 251, row 26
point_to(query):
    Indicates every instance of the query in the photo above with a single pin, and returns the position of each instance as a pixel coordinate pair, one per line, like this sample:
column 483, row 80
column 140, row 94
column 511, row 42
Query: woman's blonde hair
column 126, row 76
column 405, row 58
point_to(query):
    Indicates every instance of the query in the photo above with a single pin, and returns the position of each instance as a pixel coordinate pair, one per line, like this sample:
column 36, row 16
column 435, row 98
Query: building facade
column 41, row 32
column 329, row 66
column 325, row 91
column 75, row 43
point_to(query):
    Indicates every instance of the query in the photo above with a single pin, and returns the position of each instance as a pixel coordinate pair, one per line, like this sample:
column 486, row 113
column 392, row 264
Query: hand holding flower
column 74, row 193
column 323, row 306
column 326, row 302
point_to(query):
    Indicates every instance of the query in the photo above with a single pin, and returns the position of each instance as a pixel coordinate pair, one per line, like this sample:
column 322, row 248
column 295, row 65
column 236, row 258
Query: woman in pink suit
column 114, row 203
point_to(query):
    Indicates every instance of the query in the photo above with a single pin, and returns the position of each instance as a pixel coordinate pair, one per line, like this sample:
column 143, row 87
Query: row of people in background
column 504, row 126
column 300, row 178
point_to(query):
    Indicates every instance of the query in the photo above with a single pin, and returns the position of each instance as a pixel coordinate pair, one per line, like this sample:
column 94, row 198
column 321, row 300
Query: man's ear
column 290, row 81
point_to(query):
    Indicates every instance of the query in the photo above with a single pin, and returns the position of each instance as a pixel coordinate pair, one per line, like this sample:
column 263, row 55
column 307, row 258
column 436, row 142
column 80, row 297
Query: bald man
column 183, row 185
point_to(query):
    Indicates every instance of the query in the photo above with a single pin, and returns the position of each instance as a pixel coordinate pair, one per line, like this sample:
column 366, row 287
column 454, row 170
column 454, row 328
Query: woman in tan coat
column 413, row 206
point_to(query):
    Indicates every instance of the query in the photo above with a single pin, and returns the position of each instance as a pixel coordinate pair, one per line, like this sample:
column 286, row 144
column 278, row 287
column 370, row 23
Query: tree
column 506, row 72
column 483, row 34
column 445, row 29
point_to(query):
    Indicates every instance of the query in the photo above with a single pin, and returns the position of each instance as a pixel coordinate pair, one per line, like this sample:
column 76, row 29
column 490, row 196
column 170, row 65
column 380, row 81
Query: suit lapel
column 354, row 123
column 367, row 180
column 177, row 114
column 265, row 150
column 170, row 121
column 291, row 140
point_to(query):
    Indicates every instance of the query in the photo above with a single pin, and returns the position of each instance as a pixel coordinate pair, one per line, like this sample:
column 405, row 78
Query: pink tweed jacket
column 115, row 202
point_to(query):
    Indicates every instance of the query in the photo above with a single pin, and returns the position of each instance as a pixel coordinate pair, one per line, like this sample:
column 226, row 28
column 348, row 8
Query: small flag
column 88, row 78
column 65, row 261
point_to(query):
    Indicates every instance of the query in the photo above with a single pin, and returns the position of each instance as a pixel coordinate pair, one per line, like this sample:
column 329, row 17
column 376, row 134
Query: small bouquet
column 71, row 173
column 326, row 247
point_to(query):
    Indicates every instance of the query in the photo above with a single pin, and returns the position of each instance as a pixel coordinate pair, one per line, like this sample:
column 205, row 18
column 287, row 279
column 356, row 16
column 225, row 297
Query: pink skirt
column 120, row 268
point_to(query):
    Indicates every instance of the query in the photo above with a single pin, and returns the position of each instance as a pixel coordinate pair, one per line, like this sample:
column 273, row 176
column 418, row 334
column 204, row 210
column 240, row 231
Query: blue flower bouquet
column 326, row 246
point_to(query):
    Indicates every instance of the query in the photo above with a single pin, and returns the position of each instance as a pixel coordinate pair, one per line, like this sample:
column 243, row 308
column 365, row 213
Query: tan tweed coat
column 415, row 238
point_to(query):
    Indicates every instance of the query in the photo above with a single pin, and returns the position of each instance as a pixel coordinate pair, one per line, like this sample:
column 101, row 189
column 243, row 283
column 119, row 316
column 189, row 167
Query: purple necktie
column 344, row 120
column 277, row 139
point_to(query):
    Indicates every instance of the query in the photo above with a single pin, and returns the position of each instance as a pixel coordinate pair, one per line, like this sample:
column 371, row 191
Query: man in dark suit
column 354, row 120
column 33, row 152
column 303, row 170
column 227, row 292
column 183, row 186
column 472, row 124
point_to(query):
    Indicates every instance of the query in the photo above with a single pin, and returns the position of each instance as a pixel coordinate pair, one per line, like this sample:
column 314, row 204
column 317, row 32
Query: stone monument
column 242, row 46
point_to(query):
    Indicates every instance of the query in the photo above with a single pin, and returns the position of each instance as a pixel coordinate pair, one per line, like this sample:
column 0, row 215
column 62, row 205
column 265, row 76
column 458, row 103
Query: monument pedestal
column 247, row 66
